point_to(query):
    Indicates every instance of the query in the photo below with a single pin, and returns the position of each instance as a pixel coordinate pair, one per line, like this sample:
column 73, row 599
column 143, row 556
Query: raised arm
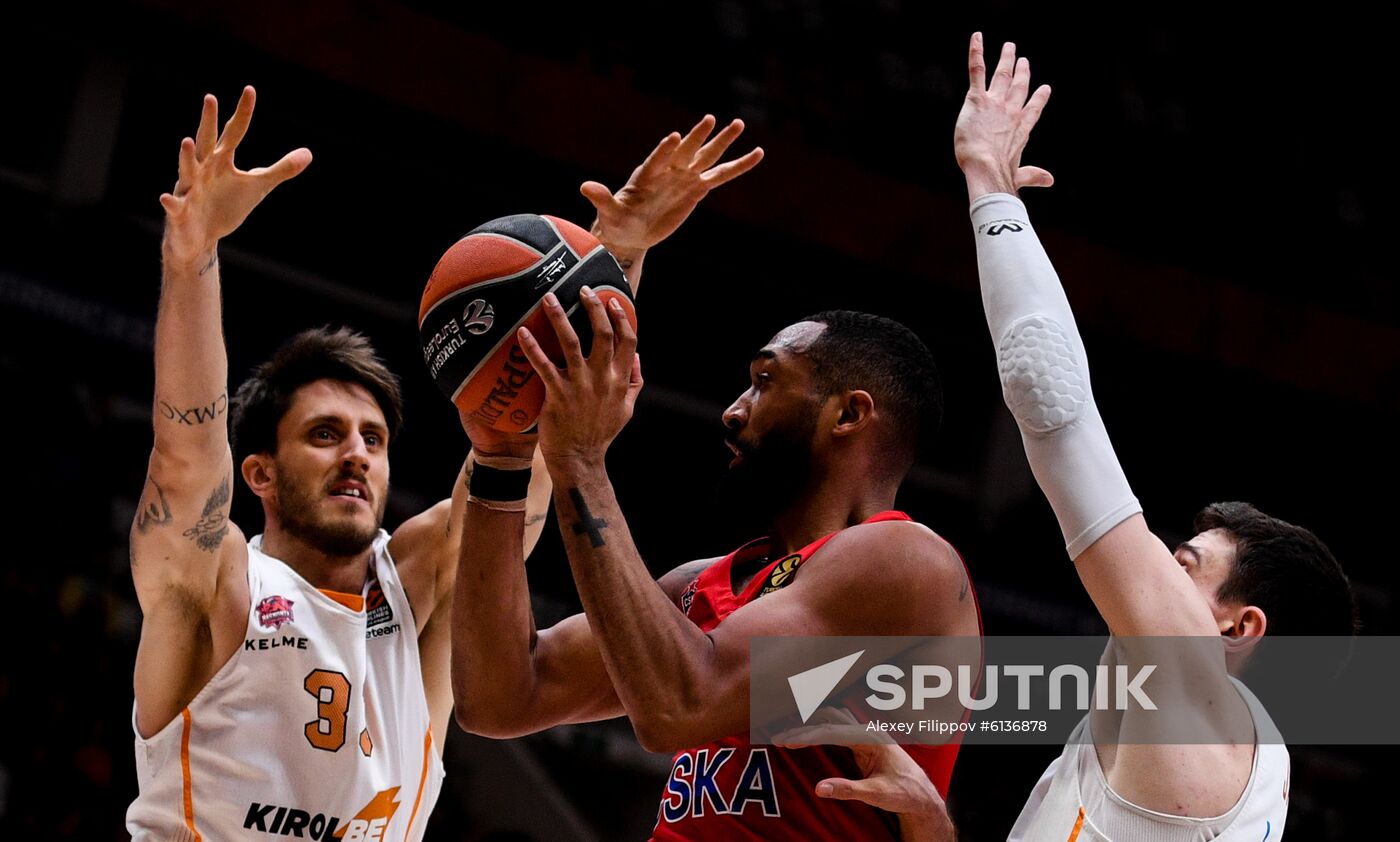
column 1132, row 577
column 663, row 190
column 187, row 561
column 507, row 678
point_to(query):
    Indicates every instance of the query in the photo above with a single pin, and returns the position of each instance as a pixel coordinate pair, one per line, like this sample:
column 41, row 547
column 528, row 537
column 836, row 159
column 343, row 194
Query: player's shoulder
column 892, row 542
column 676, row 580
column 886, row 559
column 424, row 541
column 423, row 530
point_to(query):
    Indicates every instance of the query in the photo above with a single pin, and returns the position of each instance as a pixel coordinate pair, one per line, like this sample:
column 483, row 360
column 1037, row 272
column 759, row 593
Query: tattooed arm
column 189, row 564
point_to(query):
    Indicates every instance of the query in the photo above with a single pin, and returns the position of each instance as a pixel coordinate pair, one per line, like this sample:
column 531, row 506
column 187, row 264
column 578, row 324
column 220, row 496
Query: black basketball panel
column 528, row 228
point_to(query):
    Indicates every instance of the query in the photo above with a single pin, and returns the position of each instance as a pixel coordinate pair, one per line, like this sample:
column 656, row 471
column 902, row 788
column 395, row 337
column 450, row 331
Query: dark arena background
column 1219, row 220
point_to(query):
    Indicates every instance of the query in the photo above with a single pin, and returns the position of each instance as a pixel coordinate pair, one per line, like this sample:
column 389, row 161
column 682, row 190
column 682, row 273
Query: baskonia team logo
column 274, row 611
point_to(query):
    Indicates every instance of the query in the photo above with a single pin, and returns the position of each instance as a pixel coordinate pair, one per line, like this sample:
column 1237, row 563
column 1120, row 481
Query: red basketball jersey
column 732, row 790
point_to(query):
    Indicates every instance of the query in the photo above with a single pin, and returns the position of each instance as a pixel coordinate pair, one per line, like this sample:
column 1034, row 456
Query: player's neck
column 824, row 508
column 345, row 574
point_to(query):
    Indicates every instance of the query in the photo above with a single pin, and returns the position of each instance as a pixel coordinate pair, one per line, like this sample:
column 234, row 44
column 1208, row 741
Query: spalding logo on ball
column 489, row 284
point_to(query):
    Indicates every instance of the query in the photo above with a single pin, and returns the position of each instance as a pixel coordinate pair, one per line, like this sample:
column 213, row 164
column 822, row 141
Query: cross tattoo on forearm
column 589, row 524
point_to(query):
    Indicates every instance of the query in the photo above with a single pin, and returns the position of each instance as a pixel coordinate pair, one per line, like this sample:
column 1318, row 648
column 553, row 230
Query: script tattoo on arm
column 587, row 524
column 212, row 527
column 213, row 261
column 196, row 414
column 153, row 510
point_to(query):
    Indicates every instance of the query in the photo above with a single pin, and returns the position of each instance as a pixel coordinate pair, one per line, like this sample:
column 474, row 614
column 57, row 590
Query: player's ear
column 260, row 473
column 856, row 412
column 1250, row 621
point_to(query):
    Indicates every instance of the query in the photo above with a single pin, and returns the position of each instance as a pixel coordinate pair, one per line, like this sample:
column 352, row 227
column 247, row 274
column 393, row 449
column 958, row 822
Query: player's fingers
column 661, row 156
column 187, row 165
column 1001, row 77
column 976, row 66
column 600, row 356
column 634, row 383
column 695, row 138
column 237, row 125
column 1033, row 177
column 623, row 330
column 568, row 340
column 172, row 204
column 1020, row 81
column 539, row 360
column 714, row 150
column 1030, row 115
column 733, row 169
column 289, row 166
column 208, row 128
column 597, row 195
column 844, row 789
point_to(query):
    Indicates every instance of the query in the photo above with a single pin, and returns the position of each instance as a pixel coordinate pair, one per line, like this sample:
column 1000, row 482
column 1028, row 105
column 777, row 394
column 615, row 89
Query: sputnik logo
column 811, row 687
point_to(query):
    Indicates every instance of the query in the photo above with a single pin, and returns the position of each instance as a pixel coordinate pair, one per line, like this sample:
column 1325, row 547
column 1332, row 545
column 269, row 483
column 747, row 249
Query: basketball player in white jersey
column 296, row 684
column 1243, row 574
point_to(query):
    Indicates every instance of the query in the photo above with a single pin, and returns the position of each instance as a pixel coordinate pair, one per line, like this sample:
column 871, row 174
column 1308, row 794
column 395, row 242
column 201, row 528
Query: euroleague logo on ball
column 478, row 317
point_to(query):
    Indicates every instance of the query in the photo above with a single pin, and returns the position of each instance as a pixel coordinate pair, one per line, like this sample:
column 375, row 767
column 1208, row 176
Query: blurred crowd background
column 1219, row 222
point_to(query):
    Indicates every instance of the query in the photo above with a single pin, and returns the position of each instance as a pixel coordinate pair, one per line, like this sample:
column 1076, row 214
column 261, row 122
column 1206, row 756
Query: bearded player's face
column 332, row 467
column 770, row 426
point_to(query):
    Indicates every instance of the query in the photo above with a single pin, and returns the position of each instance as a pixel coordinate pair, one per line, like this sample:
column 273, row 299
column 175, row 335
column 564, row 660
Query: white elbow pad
column 1041, row 379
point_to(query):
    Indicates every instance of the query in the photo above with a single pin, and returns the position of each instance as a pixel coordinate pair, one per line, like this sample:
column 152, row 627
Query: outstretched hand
column 995, row 123
column 667, row 186
column 213, row 197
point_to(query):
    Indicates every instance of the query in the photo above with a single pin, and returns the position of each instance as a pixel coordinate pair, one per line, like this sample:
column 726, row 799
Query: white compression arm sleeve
column 1045, row 376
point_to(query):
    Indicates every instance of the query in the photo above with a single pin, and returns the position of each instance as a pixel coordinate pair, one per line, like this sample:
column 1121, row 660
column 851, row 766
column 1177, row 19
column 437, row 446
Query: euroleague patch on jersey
column 782, row 574
column 378, row 611
column 274, row 611
column 379, row 614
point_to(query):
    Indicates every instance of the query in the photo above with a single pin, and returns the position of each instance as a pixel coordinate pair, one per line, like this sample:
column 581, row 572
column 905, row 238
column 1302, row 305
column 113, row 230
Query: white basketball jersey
column 316, row 728
column 1072, row 801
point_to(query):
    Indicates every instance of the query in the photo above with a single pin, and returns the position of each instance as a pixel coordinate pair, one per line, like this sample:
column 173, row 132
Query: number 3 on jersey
column 332, row 692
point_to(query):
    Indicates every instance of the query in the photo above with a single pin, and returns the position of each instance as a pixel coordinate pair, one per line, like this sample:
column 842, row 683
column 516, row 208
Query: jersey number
column 332, row 692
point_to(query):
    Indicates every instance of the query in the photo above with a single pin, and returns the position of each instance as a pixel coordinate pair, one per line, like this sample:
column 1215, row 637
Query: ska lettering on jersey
column 692, row 789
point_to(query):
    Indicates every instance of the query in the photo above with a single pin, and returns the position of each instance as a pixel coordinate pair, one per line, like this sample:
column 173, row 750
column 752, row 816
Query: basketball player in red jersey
column 830, row 424
column 299, row 682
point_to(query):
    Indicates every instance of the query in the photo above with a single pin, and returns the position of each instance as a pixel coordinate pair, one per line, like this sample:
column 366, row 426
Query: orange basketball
column 493, row 281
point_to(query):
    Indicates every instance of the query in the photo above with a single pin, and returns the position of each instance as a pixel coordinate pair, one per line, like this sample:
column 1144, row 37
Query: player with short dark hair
column 315, row 354
column 1282, row 568
column 296, row 684
column 861, row 350
column 822, row 438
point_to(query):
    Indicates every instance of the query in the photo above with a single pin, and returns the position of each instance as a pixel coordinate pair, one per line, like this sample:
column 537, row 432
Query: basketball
column 490, row 283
